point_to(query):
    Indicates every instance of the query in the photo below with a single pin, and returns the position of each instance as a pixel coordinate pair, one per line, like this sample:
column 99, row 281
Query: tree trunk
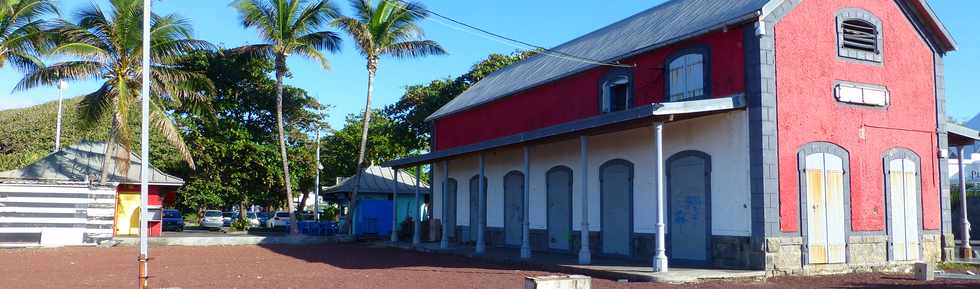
column 280, row 72
column 372, row 68
column 108, row 153
column 302, row 200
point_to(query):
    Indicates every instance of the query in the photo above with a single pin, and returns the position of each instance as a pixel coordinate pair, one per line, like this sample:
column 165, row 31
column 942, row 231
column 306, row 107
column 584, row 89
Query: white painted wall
column 723, row 136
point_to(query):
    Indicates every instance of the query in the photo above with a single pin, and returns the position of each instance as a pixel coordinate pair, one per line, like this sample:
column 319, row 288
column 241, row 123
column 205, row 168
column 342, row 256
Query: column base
column 660, row 264
column 525, row 252
column 966, row 252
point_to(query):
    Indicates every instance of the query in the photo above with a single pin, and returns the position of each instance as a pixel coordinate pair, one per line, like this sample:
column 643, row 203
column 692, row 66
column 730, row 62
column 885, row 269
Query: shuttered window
column 616, row 94
column 860, row 35
column 687, row 77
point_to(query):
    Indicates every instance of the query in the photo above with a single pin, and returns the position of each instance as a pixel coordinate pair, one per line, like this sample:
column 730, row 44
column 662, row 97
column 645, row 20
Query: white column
column 525, row 223
column 444, row 243
column 965, row 249
column 584, row 254
column 394, row 207
column 316, row 182
column 416, row 239
column 660, row 259
column 481, row 224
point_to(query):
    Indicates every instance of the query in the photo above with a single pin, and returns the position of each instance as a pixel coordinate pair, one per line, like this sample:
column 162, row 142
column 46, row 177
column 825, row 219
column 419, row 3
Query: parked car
column 228, row 217
column 279, row 219
column 212, row 220
column 263, row 218
column 173, row 221
column 253, row 220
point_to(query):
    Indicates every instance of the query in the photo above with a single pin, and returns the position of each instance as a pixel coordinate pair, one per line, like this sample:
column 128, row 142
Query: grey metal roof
column 83, row 163
column 658, row 111
column 376, row 179
column 657, row 26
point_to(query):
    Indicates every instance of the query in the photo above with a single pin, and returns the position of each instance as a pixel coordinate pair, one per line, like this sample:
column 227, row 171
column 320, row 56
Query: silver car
column 212, row 219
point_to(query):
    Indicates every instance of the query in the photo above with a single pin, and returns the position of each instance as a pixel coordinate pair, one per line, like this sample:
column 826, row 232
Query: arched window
column 617, row 91
column 859, row 35
column 687, row 75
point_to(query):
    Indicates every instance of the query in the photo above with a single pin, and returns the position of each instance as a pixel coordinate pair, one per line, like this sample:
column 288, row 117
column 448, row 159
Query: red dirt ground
column 331, row 266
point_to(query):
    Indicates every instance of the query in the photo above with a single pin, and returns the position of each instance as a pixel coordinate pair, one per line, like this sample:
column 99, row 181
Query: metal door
column 475, row 207
column 825, row 208
column 904, row 210
column 451, row 207
column 689, row 210
column 513, row 208
column 559, row 187
column 616, row 183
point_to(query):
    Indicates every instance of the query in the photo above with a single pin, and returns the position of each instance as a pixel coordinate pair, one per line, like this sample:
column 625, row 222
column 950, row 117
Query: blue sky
column 542, row 22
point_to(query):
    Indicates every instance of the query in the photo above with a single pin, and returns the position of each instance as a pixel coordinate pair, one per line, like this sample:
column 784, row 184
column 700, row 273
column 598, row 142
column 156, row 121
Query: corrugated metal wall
column 54, row 215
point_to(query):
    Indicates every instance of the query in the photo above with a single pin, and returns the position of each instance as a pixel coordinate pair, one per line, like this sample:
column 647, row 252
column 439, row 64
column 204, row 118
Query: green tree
column 388, row 29
column 234, row 142
column 22, row 34
column 106, row 46
column 341, row 146
column 419, row 101
column 288, row 27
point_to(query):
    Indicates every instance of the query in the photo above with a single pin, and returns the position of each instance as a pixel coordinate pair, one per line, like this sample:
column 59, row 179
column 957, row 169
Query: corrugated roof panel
column 83, row 162
column 667, row 22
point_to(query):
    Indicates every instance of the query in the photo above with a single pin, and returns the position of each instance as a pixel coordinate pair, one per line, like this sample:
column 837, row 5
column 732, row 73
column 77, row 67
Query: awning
column 642, row 115
column 960, row 135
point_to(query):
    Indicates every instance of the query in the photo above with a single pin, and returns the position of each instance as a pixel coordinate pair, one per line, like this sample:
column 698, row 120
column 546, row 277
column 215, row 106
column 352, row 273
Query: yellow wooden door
column 127, row 214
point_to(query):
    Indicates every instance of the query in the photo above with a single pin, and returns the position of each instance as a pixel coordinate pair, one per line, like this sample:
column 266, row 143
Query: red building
column 785, row 135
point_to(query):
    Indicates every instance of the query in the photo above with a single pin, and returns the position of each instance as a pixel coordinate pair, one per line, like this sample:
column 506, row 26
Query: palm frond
column 359, row 31
column 166, row 127
column 68, row 70
column 413, row 49
column 323, row 40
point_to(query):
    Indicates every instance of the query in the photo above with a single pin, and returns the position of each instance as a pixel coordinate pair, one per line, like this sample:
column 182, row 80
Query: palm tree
column 22, row 35
column 288, row 27
column 107, row 46
column 388, row 29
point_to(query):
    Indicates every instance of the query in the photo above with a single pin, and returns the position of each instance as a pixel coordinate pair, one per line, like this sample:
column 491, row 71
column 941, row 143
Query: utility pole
column 62, row 86
column 143, row 258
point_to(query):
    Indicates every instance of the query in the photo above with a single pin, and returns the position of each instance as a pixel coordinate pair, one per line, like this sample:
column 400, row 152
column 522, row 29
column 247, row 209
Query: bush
column 240, row 225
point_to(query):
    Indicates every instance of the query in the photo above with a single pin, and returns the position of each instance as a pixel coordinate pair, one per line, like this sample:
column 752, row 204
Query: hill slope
column 27, row 134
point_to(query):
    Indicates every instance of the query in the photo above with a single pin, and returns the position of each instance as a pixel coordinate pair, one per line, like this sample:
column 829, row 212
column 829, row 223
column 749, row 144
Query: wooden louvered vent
column 860, row 35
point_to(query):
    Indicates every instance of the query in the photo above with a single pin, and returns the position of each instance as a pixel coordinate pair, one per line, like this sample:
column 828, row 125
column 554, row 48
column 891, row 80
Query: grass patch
column 958, row 266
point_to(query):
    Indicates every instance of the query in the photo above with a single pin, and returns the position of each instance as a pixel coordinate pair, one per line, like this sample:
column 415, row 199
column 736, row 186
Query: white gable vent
column 862, row 94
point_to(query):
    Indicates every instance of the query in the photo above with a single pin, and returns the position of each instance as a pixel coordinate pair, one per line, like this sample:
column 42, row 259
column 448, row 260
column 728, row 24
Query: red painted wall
column 577, row 96
column 807, row 66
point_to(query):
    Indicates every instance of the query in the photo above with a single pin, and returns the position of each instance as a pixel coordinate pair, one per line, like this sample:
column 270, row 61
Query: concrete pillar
column 416, row 234
column 584, row 254
column 660, row 258
column 525, row 223
column 965, row 250
column 444, row 243
column 481, row 224
column 394, row 207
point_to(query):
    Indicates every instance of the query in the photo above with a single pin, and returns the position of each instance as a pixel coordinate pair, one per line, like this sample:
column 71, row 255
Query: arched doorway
column 451, row 191
column 559, row 187
column 475, row 211
column 616, row 206
column 513, row 208
column 689, row 207
column 903, row 199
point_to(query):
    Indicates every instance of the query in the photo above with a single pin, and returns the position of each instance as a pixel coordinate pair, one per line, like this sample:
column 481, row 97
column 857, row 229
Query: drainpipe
column 660, row 260
column 525, row 223
column 444, row 243
column 394, row 207
column 416, row 239
column 481, row 223
column 584, row 254
column 965, row 249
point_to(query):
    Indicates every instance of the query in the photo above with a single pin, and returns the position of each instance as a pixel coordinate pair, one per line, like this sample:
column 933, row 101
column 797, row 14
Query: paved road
column 201, row 232
column 330, row 266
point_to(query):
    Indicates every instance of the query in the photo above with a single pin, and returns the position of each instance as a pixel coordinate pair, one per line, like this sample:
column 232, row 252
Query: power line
column 508, row 40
